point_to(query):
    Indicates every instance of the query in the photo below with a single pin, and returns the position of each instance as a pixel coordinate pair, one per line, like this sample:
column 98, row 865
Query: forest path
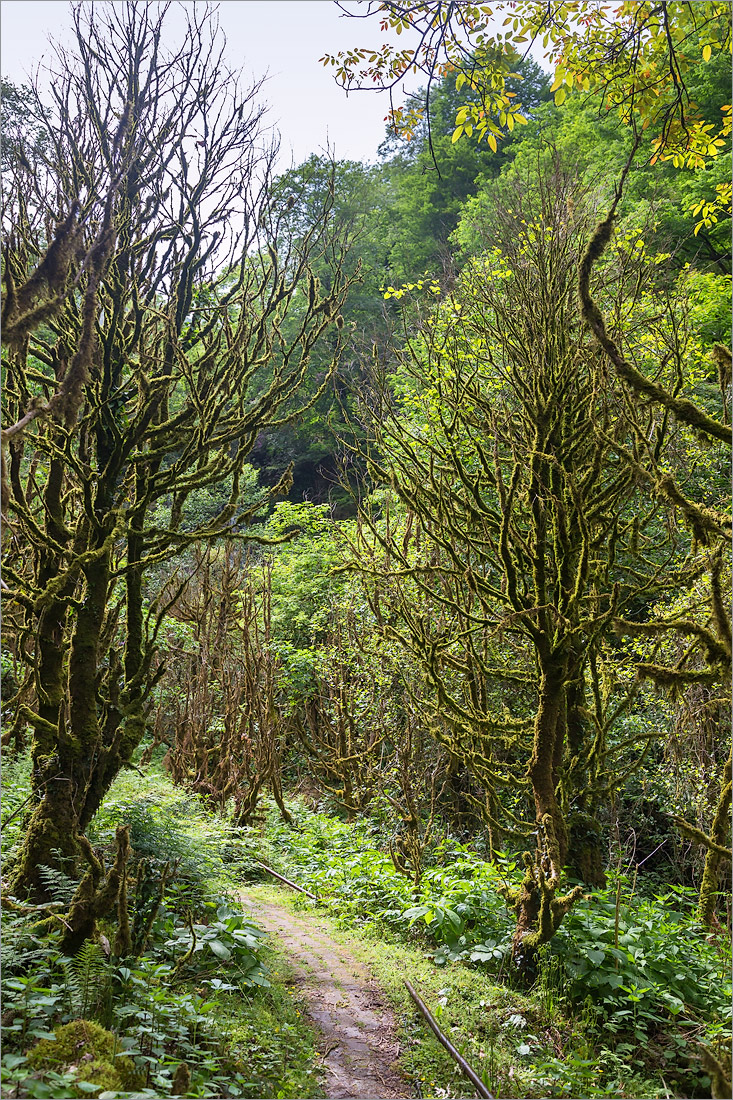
column 360, row 1047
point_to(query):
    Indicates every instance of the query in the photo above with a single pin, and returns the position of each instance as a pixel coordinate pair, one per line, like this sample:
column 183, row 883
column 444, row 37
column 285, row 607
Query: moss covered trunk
column 714, row 858
column 586, row 850
column 538, row 908
column 69, row 754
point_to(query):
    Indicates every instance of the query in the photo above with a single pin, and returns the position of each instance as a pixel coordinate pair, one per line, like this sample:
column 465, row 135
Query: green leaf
column 258, row 979
column 220, row 950
column 416, row 912
column 453, row 917
column 10, row 1061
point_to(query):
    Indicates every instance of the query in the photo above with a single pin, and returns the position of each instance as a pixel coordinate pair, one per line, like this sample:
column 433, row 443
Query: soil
column 360, row 1048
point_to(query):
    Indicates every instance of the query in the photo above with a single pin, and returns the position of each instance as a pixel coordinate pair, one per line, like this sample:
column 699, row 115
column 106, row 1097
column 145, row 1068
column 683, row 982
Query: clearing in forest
column 360, row 1047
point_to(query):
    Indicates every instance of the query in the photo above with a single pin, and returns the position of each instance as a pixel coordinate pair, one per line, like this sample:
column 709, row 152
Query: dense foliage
column 371, row 522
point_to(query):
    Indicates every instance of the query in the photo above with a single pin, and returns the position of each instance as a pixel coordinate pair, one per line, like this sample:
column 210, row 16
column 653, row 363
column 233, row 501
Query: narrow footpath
column 360, row 1047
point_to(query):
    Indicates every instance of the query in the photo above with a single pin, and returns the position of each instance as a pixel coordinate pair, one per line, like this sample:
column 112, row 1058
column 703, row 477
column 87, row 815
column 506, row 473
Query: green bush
column 171, row 826
column 227, row 936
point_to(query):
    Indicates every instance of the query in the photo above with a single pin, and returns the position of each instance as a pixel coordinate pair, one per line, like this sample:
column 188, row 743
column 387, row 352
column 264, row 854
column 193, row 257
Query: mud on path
column 359, row 1047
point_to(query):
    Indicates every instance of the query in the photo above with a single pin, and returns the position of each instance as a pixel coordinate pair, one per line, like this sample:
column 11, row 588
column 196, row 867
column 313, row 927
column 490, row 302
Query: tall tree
column 535, row 532
column 144, row 350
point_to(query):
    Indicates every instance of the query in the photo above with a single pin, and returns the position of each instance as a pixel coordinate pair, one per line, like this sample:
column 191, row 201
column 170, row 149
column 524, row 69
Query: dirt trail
column 360, row 1047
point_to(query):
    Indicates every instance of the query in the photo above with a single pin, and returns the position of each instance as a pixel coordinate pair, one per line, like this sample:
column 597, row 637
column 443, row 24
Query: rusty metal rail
column 287, row 881
column 427, row 1015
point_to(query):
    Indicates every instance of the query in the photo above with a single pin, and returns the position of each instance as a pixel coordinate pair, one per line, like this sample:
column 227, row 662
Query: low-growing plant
column 171, row 827
column 642, row 969
column 15, row 789
column 227, row 936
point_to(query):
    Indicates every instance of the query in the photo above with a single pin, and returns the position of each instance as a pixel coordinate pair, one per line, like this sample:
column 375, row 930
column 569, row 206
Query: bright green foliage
column 171, row 1004
column 637, row 56
column 227, row 936
column 638, row 959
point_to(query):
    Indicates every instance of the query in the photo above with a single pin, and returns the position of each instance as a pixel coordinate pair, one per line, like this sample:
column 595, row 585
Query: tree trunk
column 720, row 836
column 538, row 910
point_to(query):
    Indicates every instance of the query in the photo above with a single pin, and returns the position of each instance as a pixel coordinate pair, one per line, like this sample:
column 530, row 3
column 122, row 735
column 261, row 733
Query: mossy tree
column 700, row 627
column 533, row 532
column 144, row 351
column 225, row 730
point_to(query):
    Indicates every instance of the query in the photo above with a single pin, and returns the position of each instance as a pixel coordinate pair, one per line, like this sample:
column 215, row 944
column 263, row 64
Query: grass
column 521, row 1044
column 628, row 994
column 270, row 1038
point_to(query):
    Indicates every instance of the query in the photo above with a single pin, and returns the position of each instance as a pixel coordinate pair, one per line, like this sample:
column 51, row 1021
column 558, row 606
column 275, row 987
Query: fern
column 58, row 884
column 87, row 981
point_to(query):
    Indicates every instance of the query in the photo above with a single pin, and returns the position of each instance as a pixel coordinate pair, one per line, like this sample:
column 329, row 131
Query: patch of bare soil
column 360, row 1047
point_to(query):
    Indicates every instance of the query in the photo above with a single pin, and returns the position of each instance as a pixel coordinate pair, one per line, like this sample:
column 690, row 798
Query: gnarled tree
column 144, row 351
column 534, row 532
column 226, row 735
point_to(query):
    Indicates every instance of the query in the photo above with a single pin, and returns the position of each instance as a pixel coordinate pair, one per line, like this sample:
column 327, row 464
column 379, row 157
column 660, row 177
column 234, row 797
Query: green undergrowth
column 627, row 992
column 203, row 1007
column 522, row 1044
column 643, row 984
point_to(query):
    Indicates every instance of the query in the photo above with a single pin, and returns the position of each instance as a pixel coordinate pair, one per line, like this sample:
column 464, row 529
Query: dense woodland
column 371, row 522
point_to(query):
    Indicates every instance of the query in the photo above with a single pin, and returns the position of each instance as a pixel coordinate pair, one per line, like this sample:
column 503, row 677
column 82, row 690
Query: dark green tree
column 430, row 176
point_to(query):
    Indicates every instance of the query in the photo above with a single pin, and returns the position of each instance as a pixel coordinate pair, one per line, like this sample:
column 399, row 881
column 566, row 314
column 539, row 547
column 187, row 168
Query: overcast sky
column 284, row 38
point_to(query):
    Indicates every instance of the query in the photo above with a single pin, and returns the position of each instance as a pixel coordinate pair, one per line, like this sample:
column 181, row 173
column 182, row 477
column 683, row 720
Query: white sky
column 284, row 38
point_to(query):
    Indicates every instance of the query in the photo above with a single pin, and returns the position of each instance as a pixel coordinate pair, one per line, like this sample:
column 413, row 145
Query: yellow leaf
column 707, row 53
column 560, row 97
column 456, row 134
column 492, row 142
